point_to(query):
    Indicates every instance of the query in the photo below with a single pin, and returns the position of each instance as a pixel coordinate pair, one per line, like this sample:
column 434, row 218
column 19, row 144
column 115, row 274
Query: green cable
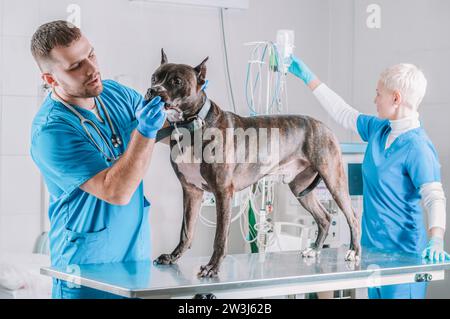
column 273, row 60
column 252, row 234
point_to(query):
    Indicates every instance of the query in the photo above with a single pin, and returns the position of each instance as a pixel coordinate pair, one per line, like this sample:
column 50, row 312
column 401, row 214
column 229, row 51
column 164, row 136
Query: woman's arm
column 336, row 107
column 434, row 203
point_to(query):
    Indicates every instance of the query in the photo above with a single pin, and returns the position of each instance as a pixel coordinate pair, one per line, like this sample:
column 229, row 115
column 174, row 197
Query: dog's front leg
column 223, row 212
column 192, row 200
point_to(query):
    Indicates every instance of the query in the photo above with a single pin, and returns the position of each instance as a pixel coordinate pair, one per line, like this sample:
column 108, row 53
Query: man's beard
column 94, row 92
column 85, row 92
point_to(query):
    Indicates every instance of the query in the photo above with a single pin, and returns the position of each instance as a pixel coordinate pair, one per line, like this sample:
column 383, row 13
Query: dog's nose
column 151, row 93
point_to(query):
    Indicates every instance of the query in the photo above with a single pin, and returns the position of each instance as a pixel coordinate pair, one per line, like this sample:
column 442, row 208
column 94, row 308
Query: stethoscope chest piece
column 116, row 141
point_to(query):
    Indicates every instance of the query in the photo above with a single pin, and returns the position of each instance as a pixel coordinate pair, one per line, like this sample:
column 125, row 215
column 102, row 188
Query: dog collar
column 203, row 111
column 192, row 123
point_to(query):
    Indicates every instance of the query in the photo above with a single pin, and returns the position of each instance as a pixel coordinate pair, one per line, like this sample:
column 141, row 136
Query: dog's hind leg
column 192, row 200
column 223, row 211
column 323, row 219
column 334, row 177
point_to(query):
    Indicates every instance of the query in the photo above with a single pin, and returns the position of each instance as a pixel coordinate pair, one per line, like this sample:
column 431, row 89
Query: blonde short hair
column 407, row 79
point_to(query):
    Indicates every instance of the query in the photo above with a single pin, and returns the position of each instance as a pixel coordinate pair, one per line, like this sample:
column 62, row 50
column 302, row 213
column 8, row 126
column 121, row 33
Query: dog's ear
column 201, row 71
column 163, row 57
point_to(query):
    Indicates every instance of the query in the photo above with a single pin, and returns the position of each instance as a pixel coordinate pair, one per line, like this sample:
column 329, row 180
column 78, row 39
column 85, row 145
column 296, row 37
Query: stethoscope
column 116, row 141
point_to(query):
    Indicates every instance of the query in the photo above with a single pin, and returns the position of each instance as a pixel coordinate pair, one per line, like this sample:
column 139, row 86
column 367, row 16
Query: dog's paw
column 165, row 259
column 310, row 253
column 351, row 255
column 208, row 271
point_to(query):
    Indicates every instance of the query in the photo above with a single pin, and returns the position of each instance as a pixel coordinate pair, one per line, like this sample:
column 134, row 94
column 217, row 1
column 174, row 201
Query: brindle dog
column 307, row 152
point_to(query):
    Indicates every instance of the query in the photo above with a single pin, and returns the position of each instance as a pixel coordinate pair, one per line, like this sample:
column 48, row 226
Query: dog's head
column 180, row 87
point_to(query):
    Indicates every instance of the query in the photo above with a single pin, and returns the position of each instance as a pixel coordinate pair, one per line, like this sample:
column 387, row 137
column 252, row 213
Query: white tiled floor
column 17, row 114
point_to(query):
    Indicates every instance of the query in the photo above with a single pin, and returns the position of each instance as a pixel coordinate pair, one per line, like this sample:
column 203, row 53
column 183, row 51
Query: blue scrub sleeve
column 422, row 164
column 367, row 125
column 65, row 156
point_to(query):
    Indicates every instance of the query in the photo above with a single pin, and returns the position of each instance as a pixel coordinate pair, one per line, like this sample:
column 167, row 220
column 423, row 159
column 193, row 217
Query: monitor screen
column 355, row 181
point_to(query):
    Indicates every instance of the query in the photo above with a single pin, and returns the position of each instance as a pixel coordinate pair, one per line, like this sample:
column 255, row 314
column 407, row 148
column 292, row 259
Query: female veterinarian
column 401, row 170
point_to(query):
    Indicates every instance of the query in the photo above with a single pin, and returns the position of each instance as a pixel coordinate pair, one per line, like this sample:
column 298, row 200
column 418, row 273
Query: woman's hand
column 299, row 69
column 435, row 250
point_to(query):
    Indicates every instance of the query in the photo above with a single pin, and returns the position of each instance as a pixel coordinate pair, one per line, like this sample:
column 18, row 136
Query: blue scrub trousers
column 404, row 291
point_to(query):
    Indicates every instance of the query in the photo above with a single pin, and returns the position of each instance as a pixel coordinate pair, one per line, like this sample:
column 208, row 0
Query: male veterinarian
column 92, row 141
column 401, row 170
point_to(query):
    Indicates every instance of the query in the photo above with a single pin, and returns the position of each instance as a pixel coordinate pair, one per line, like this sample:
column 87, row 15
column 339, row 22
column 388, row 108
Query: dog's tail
column 311, row 187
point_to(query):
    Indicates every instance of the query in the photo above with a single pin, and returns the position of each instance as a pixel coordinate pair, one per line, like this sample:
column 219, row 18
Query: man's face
column 74, row 69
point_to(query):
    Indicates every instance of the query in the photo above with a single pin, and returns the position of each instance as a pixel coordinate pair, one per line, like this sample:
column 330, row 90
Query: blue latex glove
column 298, row 68
column 435, row 250
column 151, row 117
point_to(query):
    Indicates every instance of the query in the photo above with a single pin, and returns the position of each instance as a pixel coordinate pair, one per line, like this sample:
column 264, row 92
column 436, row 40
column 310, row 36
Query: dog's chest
column 190, row 170
column 191, row 173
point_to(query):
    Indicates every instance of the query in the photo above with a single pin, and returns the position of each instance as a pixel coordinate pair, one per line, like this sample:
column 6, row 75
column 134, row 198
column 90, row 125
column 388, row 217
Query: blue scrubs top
column 392, row 215
column 85, row 229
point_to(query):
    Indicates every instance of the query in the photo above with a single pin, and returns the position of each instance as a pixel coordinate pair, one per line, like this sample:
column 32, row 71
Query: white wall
column 19, row 179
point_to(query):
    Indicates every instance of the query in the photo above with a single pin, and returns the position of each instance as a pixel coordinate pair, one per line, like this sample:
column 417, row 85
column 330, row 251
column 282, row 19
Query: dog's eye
column 153, row 78
column 176, row 82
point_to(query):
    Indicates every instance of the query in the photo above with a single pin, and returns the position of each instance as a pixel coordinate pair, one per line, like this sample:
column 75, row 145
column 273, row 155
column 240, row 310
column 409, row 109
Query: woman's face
column 386, row 102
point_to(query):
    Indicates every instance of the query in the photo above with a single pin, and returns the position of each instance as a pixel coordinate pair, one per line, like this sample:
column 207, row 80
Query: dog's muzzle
column 174, row 114
column 154, row 92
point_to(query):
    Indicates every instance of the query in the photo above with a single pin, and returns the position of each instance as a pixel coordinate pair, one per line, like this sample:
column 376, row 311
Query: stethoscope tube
column 115, row 139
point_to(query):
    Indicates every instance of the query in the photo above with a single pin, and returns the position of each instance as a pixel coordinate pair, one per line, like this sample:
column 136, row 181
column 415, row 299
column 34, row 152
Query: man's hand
column 435, row 250
column 301, row 70
column 151, row 117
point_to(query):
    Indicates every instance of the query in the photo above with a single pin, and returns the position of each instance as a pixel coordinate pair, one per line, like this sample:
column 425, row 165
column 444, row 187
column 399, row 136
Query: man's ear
column 163, row 57
column 201, row 72
column 49, row 79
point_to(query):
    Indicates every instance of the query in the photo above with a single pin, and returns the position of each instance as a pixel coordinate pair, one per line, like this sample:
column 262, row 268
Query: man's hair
column 51, row 35
column 407, row 79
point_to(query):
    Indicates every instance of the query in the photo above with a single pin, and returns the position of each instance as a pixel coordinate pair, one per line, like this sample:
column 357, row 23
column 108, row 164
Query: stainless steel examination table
column 253, row 275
